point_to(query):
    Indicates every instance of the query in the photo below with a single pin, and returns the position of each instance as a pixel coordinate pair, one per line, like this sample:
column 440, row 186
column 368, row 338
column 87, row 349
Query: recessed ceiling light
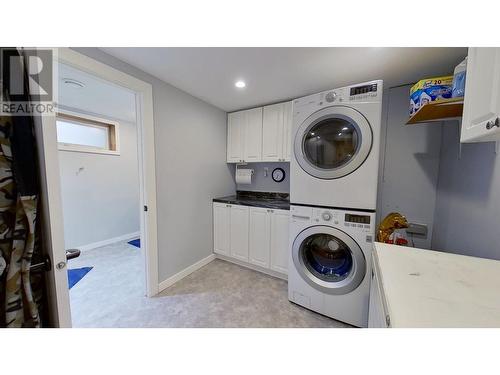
column 240, row 84
column 73, row 82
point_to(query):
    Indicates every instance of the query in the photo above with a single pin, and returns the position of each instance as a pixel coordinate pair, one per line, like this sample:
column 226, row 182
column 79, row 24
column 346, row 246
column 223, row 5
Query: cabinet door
column 235, row 134
column 221, row 228
column 482, row 96
column 272, row 133
column 259, row 237
column 376, row 312
column 253, row 135
column 239, row 232
column 279, row 240
column 287, row 130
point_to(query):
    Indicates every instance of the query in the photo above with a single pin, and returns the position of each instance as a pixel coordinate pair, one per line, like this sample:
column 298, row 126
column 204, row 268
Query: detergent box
column 429, row 90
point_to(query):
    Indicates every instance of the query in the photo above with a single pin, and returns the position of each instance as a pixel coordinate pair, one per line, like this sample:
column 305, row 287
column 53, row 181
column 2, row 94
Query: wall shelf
column 439, row 110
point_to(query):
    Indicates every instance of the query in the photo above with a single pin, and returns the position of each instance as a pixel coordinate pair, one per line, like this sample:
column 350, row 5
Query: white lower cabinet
column 279, row 240
column 221, row 228
column 238, row 232
column 258, row 236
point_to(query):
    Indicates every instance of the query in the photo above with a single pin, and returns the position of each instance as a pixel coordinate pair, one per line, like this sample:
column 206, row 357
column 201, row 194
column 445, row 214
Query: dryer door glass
column 331, row 143
column 327, row 257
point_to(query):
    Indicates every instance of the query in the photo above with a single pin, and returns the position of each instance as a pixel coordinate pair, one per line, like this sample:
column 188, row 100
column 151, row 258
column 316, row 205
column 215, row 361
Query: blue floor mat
column 75, row 275
column 136, row 243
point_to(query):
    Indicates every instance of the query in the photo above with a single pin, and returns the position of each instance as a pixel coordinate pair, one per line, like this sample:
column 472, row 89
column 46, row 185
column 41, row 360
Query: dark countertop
column 277, row 201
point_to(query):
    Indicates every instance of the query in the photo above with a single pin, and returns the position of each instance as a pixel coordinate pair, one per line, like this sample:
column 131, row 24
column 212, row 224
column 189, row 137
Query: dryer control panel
column 363, row 92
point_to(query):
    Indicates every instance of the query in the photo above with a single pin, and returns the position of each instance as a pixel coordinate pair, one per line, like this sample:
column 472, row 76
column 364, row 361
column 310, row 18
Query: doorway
column 52, row 167
column 97, row 139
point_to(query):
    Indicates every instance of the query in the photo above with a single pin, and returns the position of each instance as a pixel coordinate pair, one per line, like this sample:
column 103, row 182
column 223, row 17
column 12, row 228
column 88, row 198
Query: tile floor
column 221, row 294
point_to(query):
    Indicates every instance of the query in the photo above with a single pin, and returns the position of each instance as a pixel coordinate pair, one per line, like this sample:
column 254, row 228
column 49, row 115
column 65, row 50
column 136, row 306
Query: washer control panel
column 352, row 220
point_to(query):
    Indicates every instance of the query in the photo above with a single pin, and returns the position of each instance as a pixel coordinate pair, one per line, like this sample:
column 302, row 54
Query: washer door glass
column 327, row 257
column 331, row 143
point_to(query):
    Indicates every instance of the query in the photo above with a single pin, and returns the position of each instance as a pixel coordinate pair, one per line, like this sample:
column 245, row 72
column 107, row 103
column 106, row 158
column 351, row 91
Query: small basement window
column 83, row 133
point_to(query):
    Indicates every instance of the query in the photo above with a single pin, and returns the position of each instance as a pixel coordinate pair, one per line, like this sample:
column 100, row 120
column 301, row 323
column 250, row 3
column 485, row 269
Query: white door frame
column 147, row 178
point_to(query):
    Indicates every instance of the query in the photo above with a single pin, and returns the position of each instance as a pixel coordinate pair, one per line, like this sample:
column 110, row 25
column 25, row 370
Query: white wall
column 468, row 200
column 409, row 164
column 262, row 183
column 190, row 137
column 100, row 193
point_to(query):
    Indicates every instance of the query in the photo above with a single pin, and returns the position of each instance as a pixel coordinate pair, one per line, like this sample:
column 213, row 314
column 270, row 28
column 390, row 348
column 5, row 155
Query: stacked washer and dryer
column 333, row 195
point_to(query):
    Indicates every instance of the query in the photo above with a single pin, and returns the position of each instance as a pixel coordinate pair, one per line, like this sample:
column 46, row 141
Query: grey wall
column 190, row 142
column 409, row 164
column 262, row 183
column 100, row 193
column 468, row 200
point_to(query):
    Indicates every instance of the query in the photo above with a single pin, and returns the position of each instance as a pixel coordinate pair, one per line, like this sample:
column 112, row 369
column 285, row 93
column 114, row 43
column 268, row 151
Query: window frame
column 113, row 128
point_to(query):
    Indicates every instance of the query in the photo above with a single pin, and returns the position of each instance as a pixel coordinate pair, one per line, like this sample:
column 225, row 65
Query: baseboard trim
column 94, row 245
column 185, row 272
column 269, row 272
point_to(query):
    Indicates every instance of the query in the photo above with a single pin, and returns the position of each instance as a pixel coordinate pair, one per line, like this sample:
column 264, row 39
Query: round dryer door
column 333, row 142
column 329, row 259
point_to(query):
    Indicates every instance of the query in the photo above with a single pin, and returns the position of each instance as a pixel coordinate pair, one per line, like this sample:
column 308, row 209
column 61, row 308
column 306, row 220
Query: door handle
column 72, row 254
column 301, row 217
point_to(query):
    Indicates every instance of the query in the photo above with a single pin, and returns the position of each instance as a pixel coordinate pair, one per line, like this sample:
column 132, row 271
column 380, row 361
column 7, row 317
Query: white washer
column 336, row 143
column 330, row 261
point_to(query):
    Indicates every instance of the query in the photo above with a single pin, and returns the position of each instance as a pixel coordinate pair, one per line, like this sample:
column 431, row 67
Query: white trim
column 94, row 119
column 185, row 272
column 254, row 267
column 146, row 151
column 109, row 241
column 68, row 147
column 52, row 221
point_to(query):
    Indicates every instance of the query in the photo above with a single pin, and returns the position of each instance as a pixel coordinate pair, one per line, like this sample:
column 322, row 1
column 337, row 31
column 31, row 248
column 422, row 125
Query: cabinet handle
column 491, row 124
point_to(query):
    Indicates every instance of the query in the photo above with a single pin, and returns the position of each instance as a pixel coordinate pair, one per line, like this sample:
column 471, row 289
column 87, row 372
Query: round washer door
column 333, row 142
column 328, row 259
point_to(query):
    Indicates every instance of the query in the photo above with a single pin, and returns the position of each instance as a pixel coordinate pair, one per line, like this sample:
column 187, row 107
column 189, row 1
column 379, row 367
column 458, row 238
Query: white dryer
column 336, row 142
column 330, row 261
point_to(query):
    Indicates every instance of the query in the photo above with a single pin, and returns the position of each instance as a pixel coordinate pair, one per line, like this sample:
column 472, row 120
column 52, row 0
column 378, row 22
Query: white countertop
column 424, row 288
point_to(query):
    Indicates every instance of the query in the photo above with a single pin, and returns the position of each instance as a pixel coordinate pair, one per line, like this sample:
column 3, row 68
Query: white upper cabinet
column 253, row 135
column 236, row 123
column 481, row 117
column 272, row 133
column 287, row 132
column 260, row 134
column 276, row 132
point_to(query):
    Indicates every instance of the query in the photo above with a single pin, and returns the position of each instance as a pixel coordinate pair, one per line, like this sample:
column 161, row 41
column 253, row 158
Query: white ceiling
column 277, row 74
column 97, row 97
